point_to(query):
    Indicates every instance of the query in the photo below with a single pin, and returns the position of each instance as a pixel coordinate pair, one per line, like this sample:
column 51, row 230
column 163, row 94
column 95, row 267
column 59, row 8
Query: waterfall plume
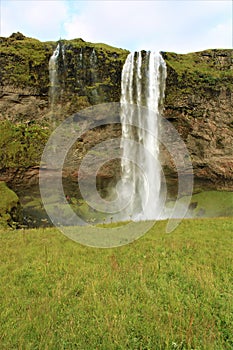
column 142, row 93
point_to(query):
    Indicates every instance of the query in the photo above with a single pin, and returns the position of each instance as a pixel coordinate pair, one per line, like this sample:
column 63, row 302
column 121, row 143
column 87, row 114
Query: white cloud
column 221, row 35
column 181, row 25
column 40, row 19
column 116, row 22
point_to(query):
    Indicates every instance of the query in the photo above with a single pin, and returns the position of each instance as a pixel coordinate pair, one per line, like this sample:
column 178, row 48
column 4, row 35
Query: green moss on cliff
column 82, row 67
column 198, row 72
column 92, row 70
column 99, row 47
column 24, row 62
column 21, row 145
column 215, row 63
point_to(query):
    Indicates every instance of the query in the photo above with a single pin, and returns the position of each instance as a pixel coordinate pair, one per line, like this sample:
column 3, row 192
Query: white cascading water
column 53, row 76
column 59, row 55
column 142, row 92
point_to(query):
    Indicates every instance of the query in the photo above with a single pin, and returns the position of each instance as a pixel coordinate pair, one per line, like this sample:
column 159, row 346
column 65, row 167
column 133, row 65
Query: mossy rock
column 21, row 145
column 197, row 73
column 10, row 209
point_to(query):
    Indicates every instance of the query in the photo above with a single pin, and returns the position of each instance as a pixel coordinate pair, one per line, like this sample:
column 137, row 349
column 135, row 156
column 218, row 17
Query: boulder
column 10, row 209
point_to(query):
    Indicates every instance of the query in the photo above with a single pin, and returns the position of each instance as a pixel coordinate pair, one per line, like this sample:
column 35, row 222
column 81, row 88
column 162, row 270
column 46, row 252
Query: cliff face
column 87, row 74
column 198, row 102
column 199, row 96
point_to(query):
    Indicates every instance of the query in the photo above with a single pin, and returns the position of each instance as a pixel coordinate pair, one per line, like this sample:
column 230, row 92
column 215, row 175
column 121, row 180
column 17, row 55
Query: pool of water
column 203, row 204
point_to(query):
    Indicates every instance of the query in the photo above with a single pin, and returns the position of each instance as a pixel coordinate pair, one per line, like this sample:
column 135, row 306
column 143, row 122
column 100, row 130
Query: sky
column 159, row 25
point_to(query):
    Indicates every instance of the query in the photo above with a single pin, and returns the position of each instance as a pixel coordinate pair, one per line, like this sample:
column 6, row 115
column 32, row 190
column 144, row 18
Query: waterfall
column 142, row 92
column 93, row 58
column 53, row 76
column 81, row 55
column 75, row 71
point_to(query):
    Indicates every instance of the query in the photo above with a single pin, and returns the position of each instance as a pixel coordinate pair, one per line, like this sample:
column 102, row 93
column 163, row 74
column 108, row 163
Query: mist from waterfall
column 142, row 93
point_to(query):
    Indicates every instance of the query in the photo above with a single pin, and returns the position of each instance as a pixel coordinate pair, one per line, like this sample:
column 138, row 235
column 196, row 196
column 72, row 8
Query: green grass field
column 163, row 291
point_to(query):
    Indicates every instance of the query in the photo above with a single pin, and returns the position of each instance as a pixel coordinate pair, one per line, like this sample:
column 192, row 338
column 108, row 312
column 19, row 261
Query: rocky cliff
column 199, row 96
column 198, row 102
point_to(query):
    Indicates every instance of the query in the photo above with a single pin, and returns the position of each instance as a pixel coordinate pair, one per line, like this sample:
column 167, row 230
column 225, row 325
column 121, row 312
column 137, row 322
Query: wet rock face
column 94, row 72
column 198, row 99
column 199, row 104
column 87, row 74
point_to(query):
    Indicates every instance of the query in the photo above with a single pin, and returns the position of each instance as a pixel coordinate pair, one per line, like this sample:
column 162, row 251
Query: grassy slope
column 78, row 43
column 160, row 292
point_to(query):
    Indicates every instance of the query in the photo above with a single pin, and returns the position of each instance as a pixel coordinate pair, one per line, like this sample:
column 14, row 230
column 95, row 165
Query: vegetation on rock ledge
column 21, row 145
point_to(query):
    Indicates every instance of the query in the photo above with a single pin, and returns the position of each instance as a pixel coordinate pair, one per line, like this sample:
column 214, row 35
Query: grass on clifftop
column 211, row 67
column 164, row 291
column 24, row 61
column 80, row 43
column 205, row 61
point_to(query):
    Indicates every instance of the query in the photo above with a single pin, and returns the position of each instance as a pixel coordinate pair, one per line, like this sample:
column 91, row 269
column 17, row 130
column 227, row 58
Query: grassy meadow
column 163, row 291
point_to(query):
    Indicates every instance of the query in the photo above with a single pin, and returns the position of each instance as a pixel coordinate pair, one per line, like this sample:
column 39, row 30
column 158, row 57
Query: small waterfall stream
column 71, row 70
column 53, row 76
column 142, row 92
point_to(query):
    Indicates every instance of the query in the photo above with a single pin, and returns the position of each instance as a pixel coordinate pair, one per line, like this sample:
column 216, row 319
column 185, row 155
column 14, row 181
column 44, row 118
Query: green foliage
column 9, row 207
column 21, row 145
column 160, row 292
column 79, row 43
column 24, row 62
column 199, row 72
column 7, row 197
column 204, row 63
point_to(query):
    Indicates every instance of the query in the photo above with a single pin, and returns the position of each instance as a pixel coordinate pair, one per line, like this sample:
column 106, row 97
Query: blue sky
column 176, row 25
